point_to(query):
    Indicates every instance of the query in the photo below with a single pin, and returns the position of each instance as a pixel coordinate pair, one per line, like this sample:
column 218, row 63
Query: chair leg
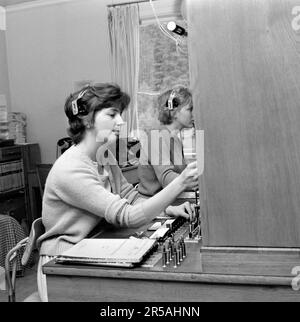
column 14, row 273
column 12, row 297
column 10, row 277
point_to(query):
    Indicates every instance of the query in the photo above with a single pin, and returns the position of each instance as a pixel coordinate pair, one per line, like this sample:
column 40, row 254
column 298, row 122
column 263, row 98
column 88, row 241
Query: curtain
column 124, row 46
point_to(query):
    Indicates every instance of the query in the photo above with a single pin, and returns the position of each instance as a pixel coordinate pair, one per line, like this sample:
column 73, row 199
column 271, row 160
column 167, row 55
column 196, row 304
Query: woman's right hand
column 189, row 177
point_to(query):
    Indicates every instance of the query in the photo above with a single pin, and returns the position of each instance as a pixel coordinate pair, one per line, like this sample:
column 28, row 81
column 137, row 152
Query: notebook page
column 110, row 250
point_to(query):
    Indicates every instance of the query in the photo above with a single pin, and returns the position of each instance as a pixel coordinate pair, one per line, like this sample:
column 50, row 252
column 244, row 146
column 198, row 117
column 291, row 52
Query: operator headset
column 79, row 109
column 172, row 102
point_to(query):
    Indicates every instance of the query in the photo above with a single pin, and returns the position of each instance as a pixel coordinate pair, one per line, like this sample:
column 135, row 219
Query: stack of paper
column 112, row 252
column 3, row 118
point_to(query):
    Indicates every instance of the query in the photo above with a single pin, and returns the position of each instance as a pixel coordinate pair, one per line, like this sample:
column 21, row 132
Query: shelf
column 11, row 192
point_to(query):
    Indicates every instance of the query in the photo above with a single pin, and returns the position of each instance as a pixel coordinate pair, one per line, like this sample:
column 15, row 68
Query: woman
column 162, row 158
column 85, row 186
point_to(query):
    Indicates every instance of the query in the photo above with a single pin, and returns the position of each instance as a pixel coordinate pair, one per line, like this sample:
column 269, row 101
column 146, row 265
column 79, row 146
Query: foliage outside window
column 162, row 66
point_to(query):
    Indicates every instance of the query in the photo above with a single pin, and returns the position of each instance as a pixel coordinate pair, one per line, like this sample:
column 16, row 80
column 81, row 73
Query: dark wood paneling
column 245, row 75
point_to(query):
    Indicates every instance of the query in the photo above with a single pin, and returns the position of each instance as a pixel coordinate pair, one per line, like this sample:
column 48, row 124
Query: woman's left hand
column 184, row 210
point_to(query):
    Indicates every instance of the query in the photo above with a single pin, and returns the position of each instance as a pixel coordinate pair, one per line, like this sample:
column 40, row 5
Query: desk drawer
column 10, row 153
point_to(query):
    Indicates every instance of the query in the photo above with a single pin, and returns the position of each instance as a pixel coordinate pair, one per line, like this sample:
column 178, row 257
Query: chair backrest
column 42, row 171
column 37, row 229
column 11, row 261
column 29, row 243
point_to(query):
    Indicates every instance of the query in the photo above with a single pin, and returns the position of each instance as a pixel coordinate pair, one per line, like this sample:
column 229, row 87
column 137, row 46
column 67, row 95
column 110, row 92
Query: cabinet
column 245, row 80
column 31, row 156
column 13, row 197
column 245, row 77
column 17, row 167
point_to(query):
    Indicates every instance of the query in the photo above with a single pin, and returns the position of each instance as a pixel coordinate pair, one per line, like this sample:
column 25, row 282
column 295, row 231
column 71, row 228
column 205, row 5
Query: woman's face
column 185, row 116
column 107, row 124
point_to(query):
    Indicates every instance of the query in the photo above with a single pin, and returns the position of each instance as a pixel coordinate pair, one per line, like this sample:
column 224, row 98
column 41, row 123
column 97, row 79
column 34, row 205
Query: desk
column 187, row 283
column 205, row 275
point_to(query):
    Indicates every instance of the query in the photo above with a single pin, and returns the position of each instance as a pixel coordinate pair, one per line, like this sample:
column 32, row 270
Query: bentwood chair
column 28, row 244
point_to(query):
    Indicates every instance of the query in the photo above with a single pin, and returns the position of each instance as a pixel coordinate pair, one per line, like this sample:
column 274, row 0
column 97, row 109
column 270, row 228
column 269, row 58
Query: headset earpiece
column 77, row 108
column 172, row 101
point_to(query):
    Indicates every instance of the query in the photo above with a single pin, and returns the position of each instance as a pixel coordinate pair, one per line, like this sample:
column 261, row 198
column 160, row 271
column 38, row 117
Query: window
column 162, row 64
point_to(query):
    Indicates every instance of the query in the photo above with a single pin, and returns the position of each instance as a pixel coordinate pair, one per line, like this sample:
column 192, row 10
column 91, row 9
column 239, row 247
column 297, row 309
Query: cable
column 149, row 93
column 160, row 25
column 178, row 42
column 166, row 32
column 159, row 93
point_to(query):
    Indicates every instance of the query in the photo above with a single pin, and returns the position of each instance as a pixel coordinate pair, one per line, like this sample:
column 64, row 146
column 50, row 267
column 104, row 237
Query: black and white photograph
column 149, row 154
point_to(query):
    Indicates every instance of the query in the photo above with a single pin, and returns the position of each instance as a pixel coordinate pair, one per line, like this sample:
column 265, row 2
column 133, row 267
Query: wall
column 50, row 46
column 4, row 84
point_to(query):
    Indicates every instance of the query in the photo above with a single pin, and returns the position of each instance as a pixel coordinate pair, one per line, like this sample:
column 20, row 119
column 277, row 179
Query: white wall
column 49, row 47
column 4, row 84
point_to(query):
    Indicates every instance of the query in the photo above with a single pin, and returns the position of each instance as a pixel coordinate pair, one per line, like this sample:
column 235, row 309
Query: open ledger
column 108, row 252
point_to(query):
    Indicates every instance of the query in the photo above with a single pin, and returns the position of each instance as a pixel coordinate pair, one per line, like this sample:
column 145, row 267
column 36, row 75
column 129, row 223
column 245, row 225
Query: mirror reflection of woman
column 163, row 161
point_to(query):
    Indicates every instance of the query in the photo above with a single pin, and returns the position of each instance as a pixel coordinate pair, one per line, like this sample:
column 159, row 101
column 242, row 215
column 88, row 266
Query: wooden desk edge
column 85, row 271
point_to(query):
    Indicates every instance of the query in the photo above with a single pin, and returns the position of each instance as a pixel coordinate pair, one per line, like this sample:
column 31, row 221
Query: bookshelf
column 12, row 184
column 16, row 164
column 11, row 192
column 11, row 176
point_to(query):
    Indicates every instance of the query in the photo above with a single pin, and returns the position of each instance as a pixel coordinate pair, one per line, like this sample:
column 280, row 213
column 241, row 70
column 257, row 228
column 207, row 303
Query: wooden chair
column 42, row 171
column 29, row 243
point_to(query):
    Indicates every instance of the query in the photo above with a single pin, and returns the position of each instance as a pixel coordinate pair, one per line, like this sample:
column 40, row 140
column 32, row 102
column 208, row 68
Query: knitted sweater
column 77, row 197
column 161, row 161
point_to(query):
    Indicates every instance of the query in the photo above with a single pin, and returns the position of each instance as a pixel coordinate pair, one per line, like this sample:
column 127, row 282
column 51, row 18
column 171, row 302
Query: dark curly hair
column 95, row 98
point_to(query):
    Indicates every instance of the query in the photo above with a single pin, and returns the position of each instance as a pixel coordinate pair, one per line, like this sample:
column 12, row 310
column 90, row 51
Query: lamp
column 172, row 26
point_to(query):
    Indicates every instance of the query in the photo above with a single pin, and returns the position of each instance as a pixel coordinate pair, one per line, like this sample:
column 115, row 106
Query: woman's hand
column 187, row 180
column 189, row 177
column 184, row 210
